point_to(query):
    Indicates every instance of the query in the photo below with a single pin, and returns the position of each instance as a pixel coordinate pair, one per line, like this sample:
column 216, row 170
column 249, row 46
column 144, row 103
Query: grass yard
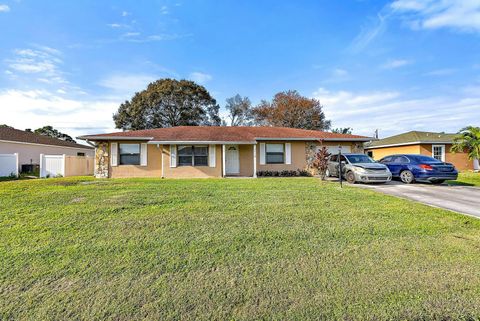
column 467, row 178
column 272, row 248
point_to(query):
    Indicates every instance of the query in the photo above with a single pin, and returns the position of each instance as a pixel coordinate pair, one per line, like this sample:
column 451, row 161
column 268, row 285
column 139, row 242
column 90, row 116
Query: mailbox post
column 340, row 174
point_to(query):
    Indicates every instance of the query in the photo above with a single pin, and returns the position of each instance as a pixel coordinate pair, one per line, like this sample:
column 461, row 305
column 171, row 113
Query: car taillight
column 426, row 167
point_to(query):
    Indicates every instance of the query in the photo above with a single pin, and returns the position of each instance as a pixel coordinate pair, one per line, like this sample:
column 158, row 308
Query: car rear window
column 426, row 159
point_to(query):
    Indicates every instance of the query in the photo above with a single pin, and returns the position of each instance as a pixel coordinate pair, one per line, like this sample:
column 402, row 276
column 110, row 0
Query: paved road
column 462, row 199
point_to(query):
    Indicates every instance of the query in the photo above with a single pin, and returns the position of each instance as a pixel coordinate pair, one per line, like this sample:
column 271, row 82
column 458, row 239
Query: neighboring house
column 29, row 146
column 437, row 145
column 197, row 151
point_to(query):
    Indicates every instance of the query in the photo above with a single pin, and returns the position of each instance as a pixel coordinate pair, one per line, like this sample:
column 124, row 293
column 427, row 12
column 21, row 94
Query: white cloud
column 131, row 34
column 164, row 10
column 36, row 108
column 42, row 61
column 125, row 85
column 392, row 112
column 114, row 25
column 338, row 72
column 396, row 63
column 461, row 15
column 4, row 8
column 370, row 32
column 441, row 72
column 200, row 77
column 125, row 13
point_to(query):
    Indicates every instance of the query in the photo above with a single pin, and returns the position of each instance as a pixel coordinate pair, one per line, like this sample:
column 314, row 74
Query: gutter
column 97, row 138
column 405, row 144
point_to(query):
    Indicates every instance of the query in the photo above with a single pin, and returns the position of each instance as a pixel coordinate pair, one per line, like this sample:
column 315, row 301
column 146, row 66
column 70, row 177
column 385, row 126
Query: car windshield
column 356, row 159
column 426, row 159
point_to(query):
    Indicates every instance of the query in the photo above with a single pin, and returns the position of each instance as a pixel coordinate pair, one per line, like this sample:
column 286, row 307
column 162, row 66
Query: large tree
column 290, row 109
column 52, row 132
column 168, row 103
column 468, row 139
column 239, row 111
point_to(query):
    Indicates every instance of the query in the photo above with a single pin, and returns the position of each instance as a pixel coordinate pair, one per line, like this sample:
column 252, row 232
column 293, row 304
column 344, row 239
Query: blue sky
column 388, row 65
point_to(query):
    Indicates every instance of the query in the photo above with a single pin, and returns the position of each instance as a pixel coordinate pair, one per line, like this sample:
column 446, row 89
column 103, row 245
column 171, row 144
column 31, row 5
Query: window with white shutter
column 211, row 155
column 288, row 153
column 143, row 154
column 173, row 155
column 114, row 154
column 262, row 153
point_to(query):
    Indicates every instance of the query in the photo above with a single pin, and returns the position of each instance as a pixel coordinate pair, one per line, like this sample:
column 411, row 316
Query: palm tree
column 468, row 139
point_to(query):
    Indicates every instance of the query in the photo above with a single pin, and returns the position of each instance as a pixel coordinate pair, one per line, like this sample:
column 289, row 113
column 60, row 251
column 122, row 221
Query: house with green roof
column 437, row 145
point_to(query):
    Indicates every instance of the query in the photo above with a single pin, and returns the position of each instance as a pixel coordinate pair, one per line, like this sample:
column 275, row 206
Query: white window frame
column 119, row 155
column 193, row 156
column 283, row 152
column 443, row 152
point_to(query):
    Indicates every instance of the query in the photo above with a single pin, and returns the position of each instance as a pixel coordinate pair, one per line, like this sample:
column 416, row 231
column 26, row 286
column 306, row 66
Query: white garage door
column 334, row 149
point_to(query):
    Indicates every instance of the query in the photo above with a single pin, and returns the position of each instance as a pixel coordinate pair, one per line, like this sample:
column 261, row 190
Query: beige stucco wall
column 155, row 155
column 379, row 153
column 192, row 171
column 153, row 168
column 30, row 153
column 246, row 159
column 459, row 160
column 299, row 160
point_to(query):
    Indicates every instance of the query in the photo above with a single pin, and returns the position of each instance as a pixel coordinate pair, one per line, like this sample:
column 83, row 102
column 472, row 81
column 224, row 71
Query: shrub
column 304, row 172
column 321, row 161
column 284, row 173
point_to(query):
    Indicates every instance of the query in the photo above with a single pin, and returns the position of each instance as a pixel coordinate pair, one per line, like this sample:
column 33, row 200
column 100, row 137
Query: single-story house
column 211, row 151
column 437, row 145
column 29, row 146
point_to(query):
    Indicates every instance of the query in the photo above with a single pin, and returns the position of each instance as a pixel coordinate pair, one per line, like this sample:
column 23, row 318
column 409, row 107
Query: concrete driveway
column 462, row 199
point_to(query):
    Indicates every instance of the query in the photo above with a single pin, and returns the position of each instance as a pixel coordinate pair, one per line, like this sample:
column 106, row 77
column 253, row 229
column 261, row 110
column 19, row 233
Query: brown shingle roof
column 227, row 134
column 15, row 135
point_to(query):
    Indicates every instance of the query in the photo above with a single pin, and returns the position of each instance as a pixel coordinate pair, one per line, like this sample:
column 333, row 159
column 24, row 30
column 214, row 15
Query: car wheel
column 438, row 182
column 407, row 177
column 350, row 177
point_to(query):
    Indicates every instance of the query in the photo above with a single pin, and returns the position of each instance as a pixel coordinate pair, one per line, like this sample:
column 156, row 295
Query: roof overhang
column 316, row 139
column 50, row 145
column 175, row 142
column 101, row 138
column 406, row 144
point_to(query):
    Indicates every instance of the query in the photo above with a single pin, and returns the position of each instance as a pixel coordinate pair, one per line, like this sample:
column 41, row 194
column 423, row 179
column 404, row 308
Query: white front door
column 232, row 159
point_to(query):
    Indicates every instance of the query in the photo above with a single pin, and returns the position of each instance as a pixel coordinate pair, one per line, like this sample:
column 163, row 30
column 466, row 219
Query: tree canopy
column 346, row 130
column 168, row 103
column 468, row 139
column 52, row 132
column 239, row 111
column 290, row 109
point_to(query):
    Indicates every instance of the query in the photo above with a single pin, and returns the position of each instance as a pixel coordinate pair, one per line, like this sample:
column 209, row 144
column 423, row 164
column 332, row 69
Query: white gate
column 52, row 165
column 8, row 165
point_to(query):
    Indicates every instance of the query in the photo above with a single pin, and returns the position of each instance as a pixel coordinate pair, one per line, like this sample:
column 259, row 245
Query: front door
column 232, row 160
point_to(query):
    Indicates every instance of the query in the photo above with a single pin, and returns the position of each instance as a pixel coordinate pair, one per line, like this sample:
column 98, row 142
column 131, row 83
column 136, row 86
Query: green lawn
column 271, row 248
column 467, row 178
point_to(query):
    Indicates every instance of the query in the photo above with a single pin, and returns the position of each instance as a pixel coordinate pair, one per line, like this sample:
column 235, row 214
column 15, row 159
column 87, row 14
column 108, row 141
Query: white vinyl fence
column 8, row 165
column 65, row 166
column 52, row 165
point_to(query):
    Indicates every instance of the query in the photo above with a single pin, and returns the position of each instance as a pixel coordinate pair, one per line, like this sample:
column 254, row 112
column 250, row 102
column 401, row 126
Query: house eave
column 107, row 138
column 184, row 142
column 346, row 139
column 407, row 144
